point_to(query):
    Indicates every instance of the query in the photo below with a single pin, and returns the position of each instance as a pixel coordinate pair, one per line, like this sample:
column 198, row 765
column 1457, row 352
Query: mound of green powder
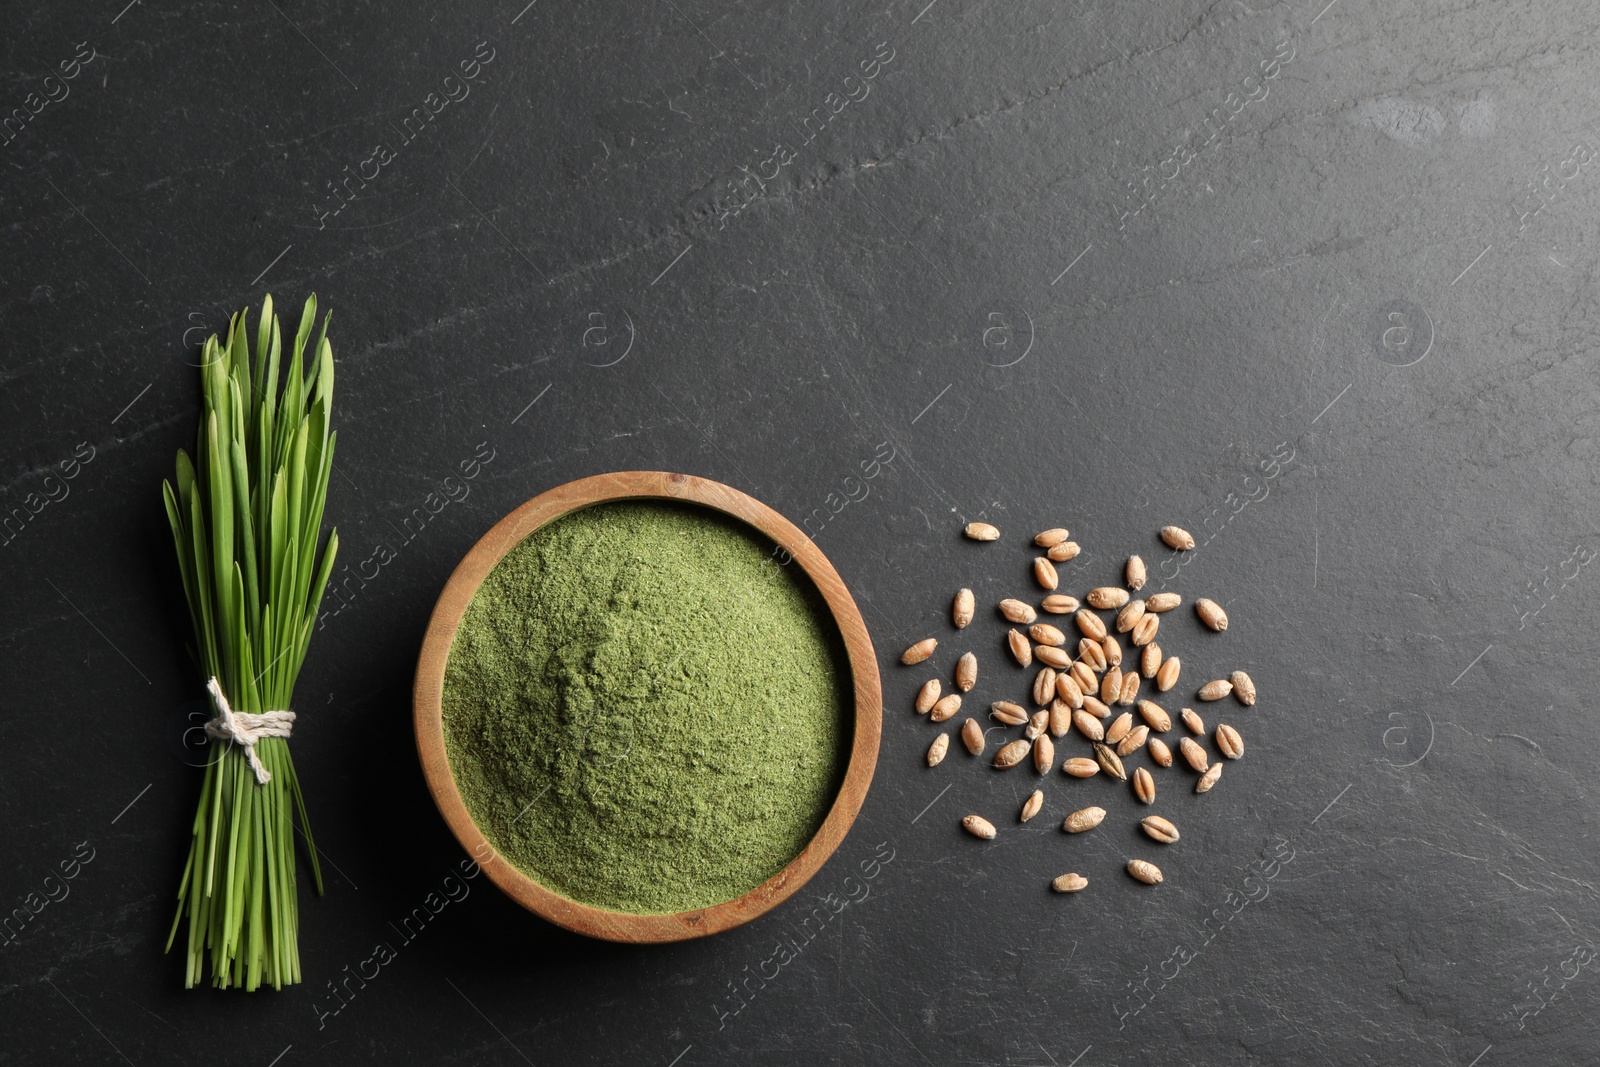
column 644, row 713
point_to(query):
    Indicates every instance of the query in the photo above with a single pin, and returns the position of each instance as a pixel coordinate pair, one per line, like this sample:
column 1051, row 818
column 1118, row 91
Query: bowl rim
column 428, row 711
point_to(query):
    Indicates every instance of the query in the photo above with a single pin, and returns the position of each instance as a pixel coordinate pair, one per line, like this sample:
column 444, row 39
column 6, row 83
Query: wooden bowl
column 429, row 714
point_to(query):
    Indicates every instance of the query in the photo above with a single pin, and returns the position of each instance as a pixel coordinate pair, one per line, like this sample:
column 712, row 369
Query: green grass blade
column 250, row 593
column 240, row 371
column 325, row 362
column 305, row 823
column 319, row 584
column 247, row 695
column 314, row 359
column 180, row 542
column 202, row 574
column 308, row 319
column 263, row 339
column 221, row 515
column 256, row 888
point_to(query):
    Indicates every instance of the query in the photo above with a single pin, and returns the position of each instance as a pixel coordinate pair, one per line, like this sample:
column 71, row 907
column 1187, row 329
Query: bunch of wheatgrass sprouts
column 246, row 517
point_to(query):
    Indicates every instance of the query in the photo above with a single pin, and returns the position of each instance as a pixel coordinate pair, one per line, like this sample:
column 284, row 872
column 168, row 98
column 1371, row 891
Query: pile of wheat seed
column 1080, row 694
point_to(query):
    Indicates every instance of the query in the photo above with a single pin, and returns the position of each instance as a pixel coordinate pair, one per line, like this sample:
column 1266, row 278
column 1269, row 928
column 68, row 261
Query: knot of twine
column 246, row 728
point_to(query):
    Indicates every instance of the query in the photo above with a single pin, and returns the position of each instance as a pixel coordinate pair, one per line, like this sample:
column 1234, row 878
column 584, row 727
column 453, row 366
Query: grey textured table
column 1312, row 279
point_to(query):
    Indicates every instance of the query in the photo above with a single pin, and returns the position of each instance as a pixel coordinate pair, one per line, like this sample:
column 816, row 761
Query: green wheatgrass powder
column 643, row 712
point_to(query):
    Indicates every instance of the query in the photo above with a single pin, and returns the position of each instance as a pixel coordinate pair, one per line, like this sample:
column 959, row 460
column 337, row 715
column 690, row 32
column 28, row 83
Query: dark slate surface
column 1313, row 281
